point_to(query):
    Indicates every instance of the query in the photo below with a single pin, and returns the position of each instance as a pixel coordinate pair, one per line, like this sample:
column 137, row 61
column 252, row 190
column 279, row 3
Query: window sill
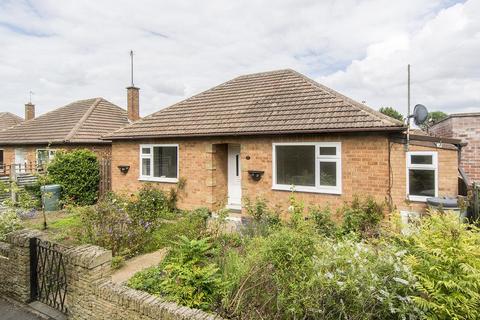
column 418, row 198
column 335, row 191
column 165, row 180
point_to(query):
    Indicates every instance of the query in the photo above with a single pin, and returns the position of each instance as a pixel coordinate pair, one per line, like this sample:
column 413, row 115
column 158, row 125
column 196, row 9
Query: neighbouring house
column 266, row 134
column 8, row 120
column 80, row 124
column 466, row 127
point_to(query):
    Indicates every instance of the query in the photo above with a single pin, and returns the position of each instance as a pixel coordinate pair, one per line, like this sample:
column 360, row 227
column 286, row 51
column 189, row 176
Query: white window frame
column 325, row 158
column 433, row 167
column 51, row 153
column 150, row 156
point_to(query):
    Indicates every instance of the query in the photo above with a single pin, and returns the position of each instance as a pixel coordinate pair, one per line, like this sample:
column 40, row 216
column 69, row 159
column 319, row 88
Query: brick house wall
column 202, row 162
column 101, row 150
column 467, row 128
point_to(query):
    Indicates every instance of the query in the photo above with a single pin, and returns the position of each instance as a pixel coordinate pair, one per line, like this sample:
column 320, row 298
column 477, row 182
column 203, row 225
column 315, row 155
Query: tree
column 391, row 112
column 433, row 117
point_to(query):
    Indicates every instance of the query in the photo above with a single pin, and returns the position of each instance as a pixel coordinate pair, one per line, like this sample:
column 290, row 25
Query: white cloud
column 68, row 50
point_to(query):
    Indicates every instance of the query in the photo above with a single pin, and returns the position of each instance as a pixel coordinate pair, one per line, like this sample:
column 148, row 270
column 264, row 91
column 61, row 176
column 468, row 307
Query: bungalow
column 8, row 120
column 266, row 134
column 80, row 124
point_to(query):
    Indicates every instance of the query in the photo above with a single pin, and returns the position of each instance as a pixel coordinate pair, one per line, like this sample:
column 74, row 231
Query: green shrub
column 109, row 224
column 357, row 280
column 274, row 279
column 445, row 257
column 264, row 218
column 78, row 173
column 152, row 204
column 9, row 221
column 362, row 216
column 191, row 224
column 187, row 277
column 322, row 219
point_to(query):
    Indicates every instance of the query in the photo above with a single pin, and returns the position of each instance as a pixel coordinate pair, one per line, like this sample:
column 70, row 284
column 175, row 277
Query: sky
column 64, row 51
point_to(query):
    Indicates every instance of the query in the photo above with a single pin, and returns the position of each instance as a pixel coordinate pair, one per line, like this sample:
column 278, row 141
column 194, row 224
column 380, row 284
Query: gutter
column 256, row 133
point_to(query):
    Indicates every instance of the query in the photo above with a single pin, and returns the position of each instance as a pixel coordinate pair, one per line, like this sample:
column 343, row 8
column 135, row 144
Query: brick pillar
column 87, row 267
column 133, row 103
column 15, row 264
column 29, row 111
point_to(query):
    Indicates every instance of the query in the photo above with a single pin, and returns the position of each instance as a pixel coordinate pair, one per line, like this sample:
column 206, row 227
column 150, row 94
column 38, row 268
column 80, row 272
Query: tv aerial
column 420, row 112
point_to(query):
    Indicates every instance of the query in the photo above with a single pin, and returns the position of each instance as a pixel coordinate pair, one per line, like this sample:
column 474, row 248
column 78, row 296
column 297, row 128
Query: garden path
column 139, row 263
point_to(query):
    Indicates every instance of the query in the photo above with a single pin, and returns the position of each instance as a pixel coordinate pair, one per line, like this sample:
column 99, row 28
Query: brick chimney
column 133, row 103
column 29, row 111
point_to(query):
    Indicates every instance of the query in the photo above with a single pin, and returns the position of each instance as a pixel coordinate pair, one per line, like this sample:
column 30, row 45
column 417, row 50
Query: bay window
column 307, row 167
column 422, row 175
column 159, row 162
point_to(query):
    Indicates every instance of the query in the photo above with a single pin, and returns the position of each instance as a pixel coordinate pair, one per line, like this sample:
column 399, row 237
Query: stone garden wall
column 91, row 293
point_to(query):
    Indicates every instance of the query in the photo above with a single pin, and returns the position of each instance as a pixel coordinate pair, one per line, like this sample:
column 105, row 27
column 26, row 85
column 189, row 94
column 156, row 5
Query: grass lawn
column 62, row 227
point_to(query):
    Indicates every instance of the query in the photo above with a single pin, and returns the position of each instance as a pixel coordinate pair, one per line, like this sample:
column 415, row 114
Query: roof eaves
column 258, row 133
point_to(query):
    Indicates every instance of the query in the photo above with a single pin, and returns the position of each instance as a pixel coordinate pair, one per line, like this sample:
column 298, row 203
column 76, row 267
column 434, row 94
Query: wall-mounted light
column 124, row 168
column 256, row 175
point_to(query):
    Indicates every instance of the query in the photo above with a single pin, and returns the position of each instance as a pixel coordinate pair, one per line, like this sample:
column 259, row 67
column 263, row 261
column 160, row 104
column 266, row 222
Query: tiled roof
column 8, row 120
column 83, row 121
column 282, row 101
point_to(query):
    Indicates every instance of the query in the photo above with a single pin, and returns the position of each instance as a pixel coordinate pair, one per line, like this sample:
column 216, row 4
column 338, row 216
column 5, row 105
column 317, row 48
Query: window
column 159, row 162
column 422, row 180
column 307, row 167
column 45, row 155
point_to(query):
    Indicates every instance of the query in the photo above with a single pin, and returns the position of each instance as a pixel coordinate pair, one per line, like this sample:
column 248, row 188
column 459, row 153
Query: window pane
column 422, row 159
column 422, row 182
column 145, row 150
column 295, row 165
column 42, row 156
column 328, row 151
column 146, row 167
column 165, row 162
column 328, row 173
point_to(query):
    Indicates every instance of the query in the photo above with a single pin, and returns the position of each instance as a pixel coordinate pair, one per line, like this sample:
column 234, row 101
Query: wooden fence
column 105, row 176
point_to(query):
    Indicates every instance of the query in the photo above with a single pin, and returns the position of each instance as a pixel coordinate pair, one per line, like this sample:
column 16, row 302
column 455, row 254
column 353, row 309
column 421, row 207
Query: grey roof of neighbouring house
column 84, row 121
column 8, row 120
column 282, row 101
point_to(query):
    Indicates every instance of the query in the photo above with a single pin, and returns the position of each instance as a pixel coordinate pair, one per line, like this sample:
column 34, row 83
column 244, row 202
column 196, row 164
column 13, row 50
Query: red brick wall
column 203, row 165
column 468, row 130
column 102, row 151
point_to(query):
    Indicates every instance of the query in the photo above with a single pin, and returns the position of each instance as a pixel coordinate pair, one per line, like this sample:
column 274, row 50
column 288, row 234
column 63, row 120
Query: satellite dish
column 420, row 114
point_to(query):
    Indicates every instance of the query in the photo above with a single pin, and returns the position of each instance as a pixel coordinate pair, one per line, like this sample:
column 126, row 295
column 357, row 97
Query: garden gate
column 48, row 280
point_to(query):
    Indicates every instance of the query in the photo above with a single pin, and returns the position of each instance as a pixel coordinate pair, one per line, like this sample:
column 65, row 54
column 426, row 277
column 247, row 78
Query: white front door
column 20, row 160
column 234, row 177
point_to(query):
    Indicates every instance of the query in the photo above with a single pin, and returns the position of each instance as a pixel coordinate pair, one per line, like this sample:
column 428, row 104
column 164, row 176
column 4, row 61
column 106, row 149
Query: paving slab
column 12, row 310
column 139, row 263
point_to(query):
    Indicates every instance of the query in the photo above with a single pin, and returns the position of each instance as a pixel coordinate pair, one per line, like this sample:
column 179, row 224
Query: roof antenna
column 30, row 93
column 408, row 107
column 131, row 62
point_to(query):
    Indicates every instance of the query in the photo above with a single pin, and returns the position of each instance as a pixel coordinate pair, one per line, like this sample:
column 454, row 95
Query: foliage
column 391, row 112
column 362, row 216
column 78, row 172
column 358, row 280
column 273, row 279
column 187, row 277
column 191, row 224
column 264, row 218
column 445, row 257
column 322, row 219
column 152, row 204
column 436, row 116
column 9, row 221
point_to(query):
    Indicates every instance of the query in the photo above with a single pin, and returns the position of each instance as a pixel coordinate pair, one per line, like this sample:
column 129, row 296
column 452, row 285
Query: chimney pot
column 29, row 111
column 133, row 103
